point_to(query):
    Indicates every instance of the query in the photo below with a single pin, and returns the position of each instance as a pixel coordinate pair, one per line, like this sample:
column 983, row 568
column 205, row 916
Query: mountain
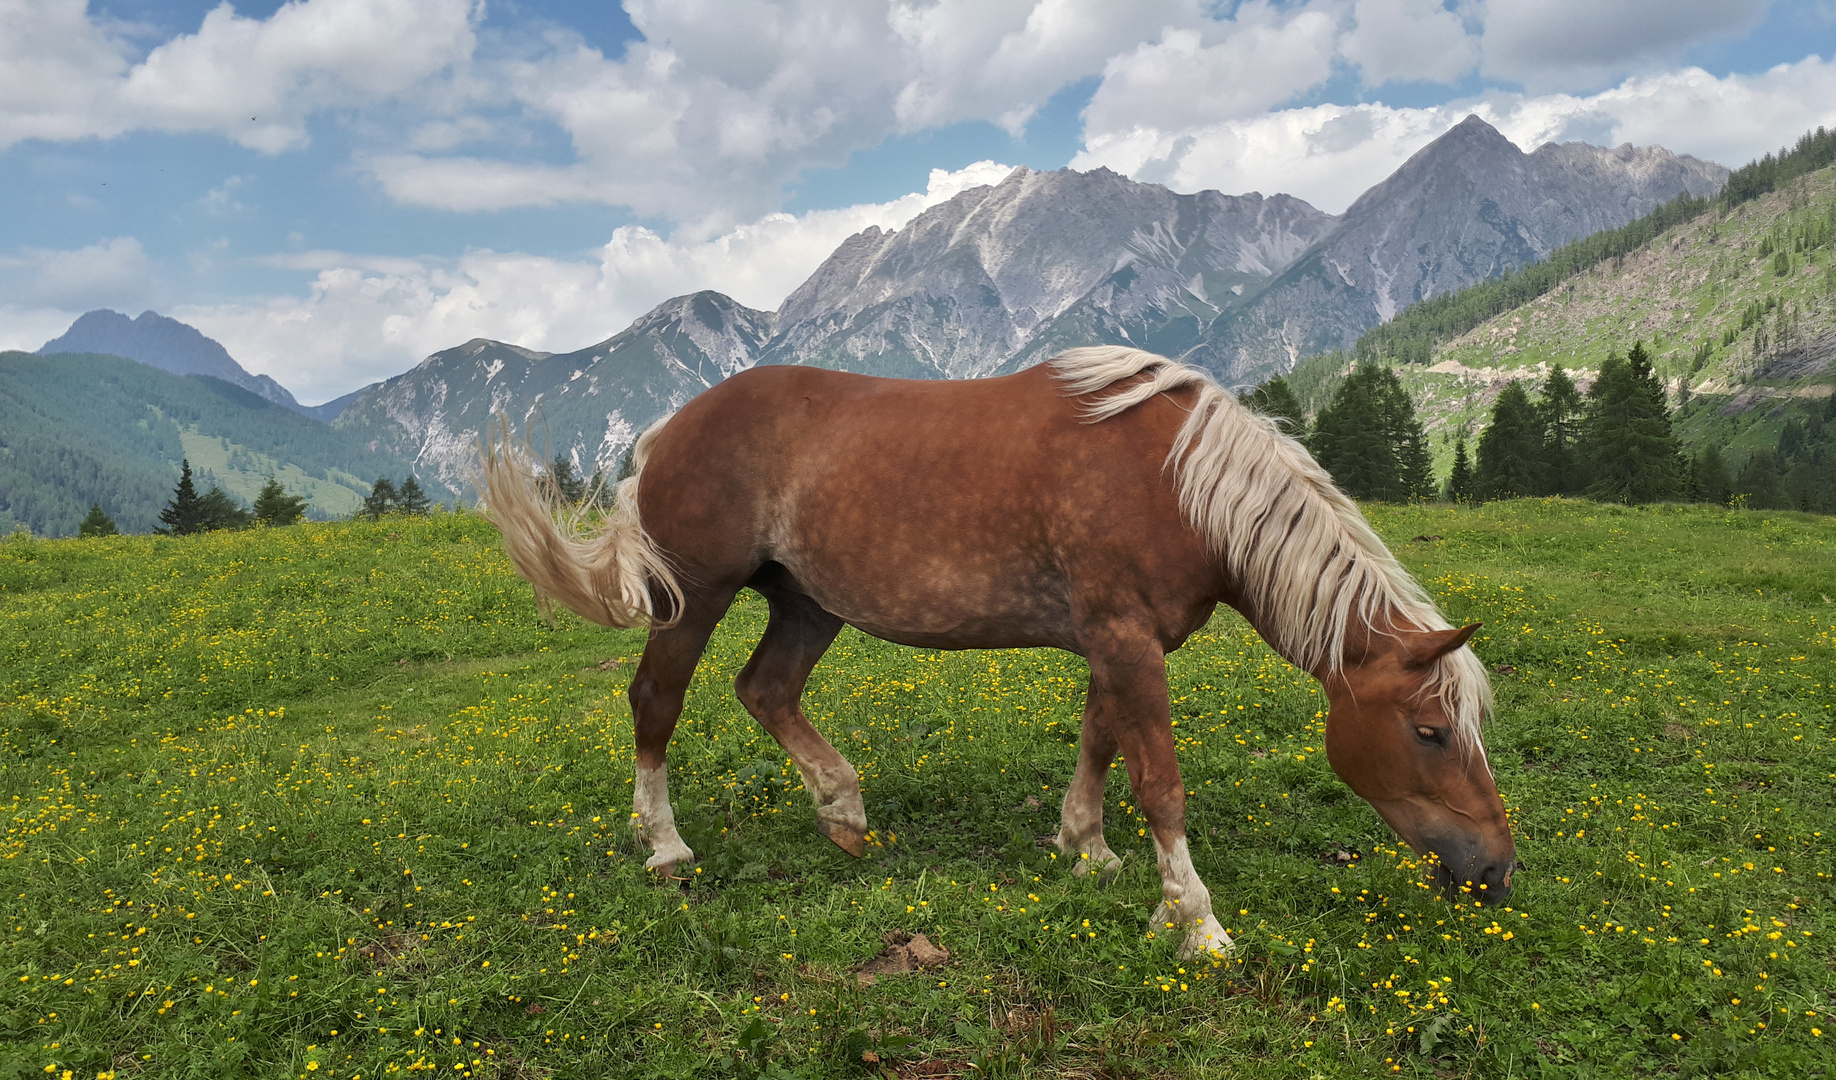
column 1465, row 208
column 77, row 429
column 166, row 344
column 970, row 284
column 1003, row 276
column 590, row 404
column 1736, row 306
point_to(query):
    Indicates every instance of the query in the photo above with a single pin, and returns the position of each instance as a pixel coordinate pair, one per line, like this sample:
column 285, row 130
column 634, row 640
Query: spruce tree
column 1510, row 448
column 1275, row 399
column 1460, row 482
column 1712, row 477
column 564, row 482
column 273, row 506
column 1349, row 441
column 1414, row 468
column 1560, row 416
column 411, row 499
column 182, row 515
column 1625, row 433
column 380, row 500
column 96, row 523
column 1761, row 485
column 216, row 510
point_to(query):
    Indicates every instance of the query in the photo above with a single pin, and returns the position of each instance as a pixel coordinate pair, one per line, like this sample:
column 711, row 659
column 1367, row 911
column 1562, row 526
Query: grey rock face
column 969, row 285
column 1467, row 207
column 167, row 344
column 590, row 404
column 1004, row 276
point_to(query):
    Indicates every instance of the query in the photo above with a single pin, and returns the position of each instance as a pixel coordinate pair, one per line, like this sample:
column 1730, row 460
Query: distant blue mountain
column 169, row 345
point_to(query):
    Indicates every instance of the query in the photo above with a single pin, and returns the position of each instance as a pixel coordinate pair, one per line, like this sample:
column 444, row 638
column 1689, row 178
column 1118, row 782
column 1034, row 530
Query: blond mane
column 1304, row 558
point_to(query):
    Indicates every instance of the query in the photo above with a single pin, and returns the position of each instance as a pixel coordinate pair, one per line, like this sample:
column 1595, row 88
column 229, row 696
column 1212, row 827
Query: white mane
column 1304, row 558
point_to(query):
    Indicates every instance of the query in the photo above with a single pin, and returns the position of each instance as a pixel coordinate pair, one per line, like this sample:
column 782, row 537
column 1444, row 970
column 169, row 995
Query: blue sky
column 334, row 188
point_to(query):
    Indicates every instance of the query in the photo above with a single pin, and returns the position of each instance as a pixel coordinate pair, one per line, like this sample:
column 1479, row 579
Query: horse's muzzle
column 1488, row 882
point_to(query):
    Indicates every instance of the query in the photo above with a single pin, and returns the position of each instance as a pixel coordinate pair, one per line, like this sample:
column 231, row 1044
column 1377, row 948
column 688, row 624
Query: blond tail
column 609, row 573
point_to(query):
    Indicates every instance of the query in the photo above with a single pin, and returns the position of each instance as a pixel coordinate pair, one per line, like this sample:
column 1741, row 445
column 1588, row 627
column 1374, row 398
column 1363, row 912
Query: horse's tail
column 610, row 572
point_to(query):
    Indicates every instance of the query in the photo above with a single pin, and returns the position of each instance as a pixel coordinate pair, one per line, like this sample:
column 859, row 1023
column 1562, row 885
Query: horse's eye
column 1428, row 734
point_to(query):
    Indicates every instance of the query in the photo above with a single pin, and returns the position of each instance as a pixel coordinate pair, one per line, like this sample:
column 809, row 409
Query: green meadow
column 332, row 801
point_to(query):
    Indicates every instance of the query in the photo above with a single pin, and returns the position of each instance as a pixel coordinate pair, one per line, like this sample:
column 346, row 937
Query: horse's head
column 1392, row 736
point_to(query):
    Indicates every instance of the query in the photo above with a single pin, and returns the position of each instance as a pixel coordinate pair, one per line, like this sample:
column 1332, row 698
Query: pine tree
column 599, row 489
column 1510, row 449
column 1712, row 477
column 1414, row 468
column 97, row 523
column 411, row 499
column 1349, row 440
column 273, row 506
column 380, row 500
column 564, row 481
column 1559, row 414
column 182, row 516
column 216, row 510
column 1460, row 482
column 1625, row 433
column 1761, row 485
column 1275, row 399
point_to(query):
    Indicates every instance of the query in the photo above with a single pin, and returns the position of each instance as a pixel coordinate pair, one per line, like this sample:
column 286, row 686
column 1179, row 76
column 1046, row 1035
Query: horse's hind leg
column 1128, row 695
column 771, row 688
column 1080, row 829
column 657, row 691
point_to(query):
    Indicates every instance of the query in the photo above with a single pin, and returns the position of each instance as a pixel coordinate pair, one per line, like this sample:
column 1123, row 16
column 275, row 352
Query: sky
column 335, row 189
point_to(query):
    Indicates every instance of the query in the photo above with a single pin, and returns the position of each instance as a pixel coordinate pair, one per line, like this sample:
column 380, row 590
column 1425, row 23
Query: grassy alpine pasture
column 331, row 801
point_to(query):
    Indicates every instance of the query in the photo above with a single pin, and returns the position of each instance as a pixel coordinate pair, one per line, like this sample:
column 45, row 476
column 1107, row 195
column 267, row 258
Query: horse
column 1103, row 503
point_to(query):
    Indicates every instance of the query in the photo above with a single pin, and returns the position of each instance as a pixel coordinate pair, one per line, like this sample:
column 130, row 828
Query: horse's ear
column 1426, row 647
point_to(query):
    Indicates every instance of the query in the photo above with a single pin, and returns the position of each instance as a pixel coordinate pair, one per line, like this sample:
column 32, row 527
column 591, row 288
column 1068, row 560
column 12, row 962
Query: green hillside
column 77, row 429
column 1737, row 306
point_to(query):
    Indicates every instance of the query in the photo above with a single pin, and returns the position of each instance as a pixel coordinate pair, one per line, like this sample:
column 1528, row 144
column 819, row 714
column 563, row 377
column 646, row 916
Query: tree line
column 187, row 512
column 1613, row 444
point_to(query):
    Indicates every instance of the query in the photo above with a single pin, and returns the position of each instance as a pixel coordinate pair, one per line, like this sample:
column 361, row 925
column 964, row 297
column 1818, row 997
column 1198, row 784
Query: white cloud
column 1329, row 154
column 367, row 318
column 1586, row 44
column 114, row 273
column 1222, row 71
column 1408, row 41
column 254, row 81
column 28, row 328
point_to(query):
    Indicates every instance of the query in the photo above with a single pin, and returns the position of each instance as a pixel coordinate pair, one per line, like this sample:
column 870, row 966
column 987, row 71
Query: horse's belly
column 941, row 603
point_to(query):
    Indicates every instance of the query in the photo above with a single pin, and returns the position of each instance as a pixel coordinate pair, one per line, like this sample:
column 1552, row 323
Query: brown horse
column 1103, row 503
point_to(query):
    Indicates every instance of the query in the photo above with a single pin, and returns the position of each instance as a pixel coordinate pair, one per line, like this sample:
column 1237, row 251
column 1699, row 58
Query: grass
column 330, row 801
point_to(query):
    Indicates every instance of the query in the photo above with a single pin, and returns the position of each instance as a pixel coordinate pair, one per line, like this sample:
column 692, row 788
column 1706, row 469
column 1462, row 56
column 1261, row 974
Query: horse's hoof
column 848, row 838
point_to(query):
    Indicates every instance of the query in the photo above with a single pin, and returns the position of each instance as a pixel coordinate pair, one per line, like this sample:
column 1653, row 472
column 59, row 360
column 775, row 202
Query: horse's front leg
column 1128, row 696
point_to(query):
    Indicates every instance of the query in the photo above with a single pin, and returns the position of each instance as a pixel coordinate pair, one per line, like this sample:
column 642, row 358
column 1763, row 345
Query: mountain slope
column 1003, row 276
column 166, row 344
column 967, row 285
column 1738, row 309
column 590, row 404
column 76, row 429
column 1465, row 208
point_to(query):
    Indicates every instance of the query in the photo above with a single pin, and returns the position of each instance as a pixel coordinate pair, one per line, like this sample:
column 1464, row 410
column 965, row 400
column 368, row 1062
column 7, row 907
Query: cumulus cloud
column 1586, row 44
column 114, row 273
column 367, row 318
column 255, row 81
column 1329, row 154
column 1408, row 41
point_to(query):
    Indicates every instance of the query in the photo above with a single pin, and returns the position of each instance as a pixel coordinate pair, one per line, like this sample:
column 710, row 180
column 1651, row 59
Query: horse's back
column 946, row 513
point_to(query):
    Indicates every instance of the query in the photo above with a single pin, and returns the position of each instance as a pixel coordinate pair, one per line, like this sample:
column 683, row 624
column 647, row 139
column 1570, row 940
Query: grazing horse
column 1103, row 503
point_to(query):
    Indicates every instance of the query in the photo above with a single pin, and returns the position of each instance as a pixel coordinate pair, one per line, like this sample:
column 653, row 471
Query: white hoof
column 667, row 855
